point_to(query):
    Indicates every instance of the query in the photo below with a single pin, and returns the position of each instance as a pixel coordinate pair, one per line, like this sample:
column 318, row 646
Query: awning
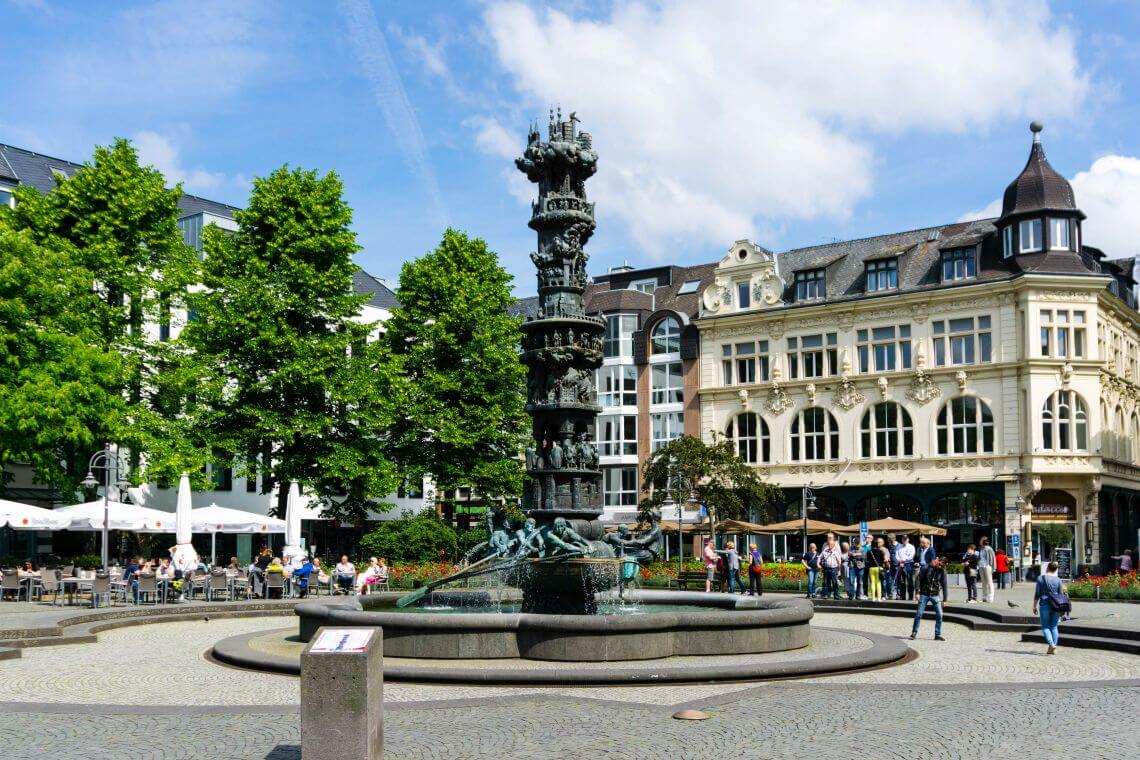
column 814, row 527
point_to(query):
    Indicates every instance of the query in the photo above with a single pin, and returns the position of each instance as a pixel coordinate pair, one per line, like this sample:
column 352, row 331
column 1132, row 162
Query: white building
column 981, row 376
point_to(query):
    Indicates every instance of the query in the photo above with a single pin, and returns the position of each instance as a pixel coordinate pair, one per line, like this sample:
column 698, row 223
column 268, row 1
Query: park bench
column 697, row 579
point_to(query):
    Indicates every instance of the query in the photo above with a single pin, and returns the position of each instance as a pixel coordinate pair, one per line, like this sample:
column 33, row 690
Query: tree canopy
column 289, row 384
column 462, row 418
column 710, row 474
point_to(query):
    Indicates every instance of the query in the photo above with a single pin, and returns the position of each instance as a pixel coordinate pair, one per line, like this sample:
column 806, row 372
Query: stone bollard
column 342, row 695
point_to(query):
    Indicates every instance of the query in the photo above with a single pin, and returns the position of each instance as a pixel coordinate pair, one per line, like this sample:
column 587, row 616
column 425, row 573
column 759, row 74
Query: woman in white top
column 345, row 575
column 365, row 579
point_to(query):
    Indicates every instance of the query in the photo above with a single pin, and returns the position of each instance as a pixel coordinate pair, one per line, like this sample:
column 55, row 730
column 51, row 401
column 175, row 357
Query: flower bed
column 1116, row 585
column 776, row 576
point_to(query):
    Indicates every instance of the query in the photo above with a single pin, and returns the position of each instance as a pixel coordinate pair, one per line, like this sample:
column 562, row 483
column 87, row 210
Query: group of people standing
column 728, row 560
column 878, row 571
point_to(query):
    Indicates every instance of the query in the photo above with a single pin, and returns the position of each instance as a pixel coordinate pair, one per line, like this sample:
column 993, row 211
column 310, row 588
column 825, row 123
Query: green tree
column 60, row 391
column 462, row 416
column 422, row 538
column 289, row 385
column 115, row 223
column 711, row 474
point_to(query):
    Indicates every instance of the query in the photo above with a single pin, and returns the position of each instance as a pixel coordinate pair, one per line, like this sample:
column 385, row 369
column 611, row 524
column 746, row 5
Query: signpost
column 863, row 532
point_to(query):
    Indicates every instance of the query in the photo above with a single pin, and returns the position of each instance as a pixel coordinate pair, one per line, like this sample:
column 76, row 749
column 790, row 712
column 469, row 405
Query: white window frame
column 883, row 274
column 1065, row 422
column 1007, row 241
column 825, row 441
column 1063, row 333
column 950, row 423
column 615, row 382
column 960, row 260
column 870, row 349
column 744, row 295
column 665, row 427
column 1032, row 242
column 688, row 286
column 1057, row 223
column 11, row 190
column 672, row 389
column 617, row 435
column 624, row 339
column 750, row 437
column 625, row 495
column 644, row 286
column 882, row 439
column 978, row 340
column 671, row 337
column 745, row 363
column 824, row 358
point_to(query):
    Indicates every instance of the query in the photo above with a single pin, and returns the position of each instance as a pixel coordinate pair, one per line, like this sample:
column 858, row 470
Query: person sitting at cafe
column 320, row 576
column 302, row 574
column 28, row 569
column 345, row 575
column 233, row 568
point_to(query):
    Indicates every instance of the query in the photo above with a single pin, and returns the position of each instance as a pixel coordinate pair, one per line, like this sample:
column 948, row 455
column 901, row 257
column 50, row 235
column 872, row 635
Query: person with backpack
column 1049, row 596
column 755, row 567
column 970, row 571
column 811, row 562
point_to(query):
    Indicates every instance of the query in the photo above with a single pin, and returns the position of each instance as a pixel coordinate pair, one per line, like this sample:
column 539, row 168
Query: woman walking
column 1049, row 596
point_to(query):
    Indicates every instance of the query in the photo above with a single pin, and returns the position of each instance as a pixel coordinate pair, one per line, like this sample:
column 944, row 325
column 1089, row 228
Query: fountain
column 568, row 573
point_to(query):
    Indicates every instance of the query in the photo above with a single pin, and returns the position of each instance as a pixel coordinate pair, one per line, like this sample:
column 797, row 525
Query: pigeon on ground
column 1011, row 604
column 206, row 619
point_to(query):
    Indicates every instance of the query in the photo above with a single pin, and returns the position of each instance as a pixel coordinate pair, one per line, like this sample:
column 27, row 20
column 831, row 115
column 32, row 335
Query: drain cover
column 691, row 715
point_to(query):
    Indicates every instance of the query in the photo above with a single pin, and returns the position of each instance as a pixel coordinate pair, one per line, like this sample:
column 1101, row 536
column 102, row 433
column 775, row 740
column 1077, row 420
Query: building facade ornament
column 778, row 400
column 745, row 401
column 884, row 387
column 922, row 388
column 810, row 391
column 960, row 377
column 1066, row 375
column 847, row 396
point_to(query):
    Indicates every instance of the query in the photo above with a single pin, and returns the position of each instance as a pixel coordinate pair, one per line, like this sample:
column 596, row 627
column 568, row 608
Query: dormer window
column 810, row 285
column 689, row 286
column 1029, row 236
column 6, row 197
column 959, row 264
column 1007, row 242
column 1059, row 234
column 743, row 295
column 644, row 286
column 882, row 275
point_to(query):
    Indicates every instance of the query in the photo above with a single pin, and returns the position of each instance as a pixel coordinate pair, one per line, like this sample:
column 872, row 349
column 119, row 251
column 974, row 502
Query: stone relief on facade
column 884, row 387
column 961, row 377
column 778, row 400
column 922, row 388
column 846, row 395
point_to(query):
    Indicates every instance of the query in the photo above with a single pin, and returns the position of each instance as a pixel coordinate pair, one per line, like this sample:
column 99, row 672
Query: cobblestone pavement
column 950, row 702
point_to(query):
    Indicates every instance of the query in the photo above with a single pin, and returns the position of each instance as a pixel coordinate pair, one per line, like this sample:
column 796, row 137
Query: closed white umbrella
column 292, row 524
column 26, row 517
column 183, row 556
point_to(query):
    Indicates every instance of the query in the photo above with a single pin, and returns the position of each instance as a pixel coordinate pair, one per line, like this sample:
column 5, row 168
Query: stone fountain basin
column 725, row 624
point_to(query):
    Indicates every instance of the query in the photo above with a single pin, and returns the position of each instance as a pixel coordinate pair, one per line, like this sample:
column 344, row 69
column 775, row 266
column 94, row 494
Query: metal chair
column 197, row 580
column 239, row 584
column 50, row 583
column 148, row 586
column 218, row 584
column 10, row 584
column 275, row 580
column 101, row 586
column 67, row 571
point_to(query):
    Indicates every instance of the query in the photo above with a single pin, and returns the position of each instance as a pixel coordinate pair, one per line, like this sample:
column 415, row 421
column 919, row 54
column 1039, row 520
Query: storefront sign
column 1056, row 505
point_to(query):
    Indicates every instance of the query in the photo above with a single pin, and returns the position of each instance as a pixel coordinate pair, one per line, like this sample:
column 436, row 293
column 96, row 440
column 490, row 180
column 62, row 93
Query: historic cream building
column 980, row 376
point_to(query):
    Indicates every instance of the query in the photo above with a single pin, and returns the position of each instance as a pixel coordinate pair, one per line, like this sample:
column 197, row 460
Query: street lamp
column 807, row 503
column 110, row 462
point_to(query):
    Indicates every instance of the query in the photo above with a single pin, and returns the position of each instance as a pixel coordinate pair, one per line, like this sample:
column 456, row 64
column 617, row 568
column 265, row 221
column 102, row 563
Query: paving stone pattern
column 948, row 703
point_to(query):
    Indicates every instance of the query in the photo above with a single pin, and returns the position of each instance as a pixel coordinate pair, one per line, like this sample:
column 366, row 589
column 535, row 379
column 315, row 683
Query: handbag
column 1058, row 600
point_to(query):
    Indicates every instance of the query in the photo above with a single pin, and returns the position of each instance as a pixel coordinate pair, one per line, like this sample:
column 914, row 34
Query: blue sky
column 788, row 124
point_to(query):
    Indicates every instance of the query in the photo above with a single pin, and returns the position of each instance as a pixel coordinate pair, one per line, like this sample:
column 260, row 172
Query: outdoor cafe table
column 72, row 586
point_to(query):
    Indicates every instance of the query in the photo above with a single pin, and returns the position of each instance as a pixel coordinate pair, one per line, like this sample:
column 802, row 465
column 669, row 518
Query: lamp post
column 807, row 503
column 111, row 462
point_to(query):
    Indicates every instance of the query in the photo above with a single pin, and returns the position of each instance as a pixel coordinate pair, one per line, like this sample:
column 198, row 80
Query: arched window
column 749, row 434
column 666, row 337
column 887, row 432
column 815, row 436
column 965, row 426
column 1065, row 422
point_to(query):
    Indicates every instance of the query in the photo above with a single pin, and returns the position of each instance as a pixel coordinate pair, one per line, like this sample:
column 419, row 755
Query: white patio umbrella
column 26, row 517
column 214, row 520
column 183, row 556
column 292, row 524
column 89, row 516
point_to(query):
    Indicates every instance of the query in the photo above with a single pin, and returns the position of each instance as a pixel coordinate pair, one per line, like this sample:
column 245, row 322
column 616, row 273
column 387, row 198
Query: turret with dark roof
column 1039, row 187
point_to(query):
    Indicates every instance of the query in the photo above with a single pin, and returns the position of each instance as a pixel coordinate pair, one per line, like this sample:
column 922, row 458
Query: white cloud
column 430, row 55
column 989, row 211
column 494, row 138
column 164, row 154
column 714, row 121
column 1109, row 192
